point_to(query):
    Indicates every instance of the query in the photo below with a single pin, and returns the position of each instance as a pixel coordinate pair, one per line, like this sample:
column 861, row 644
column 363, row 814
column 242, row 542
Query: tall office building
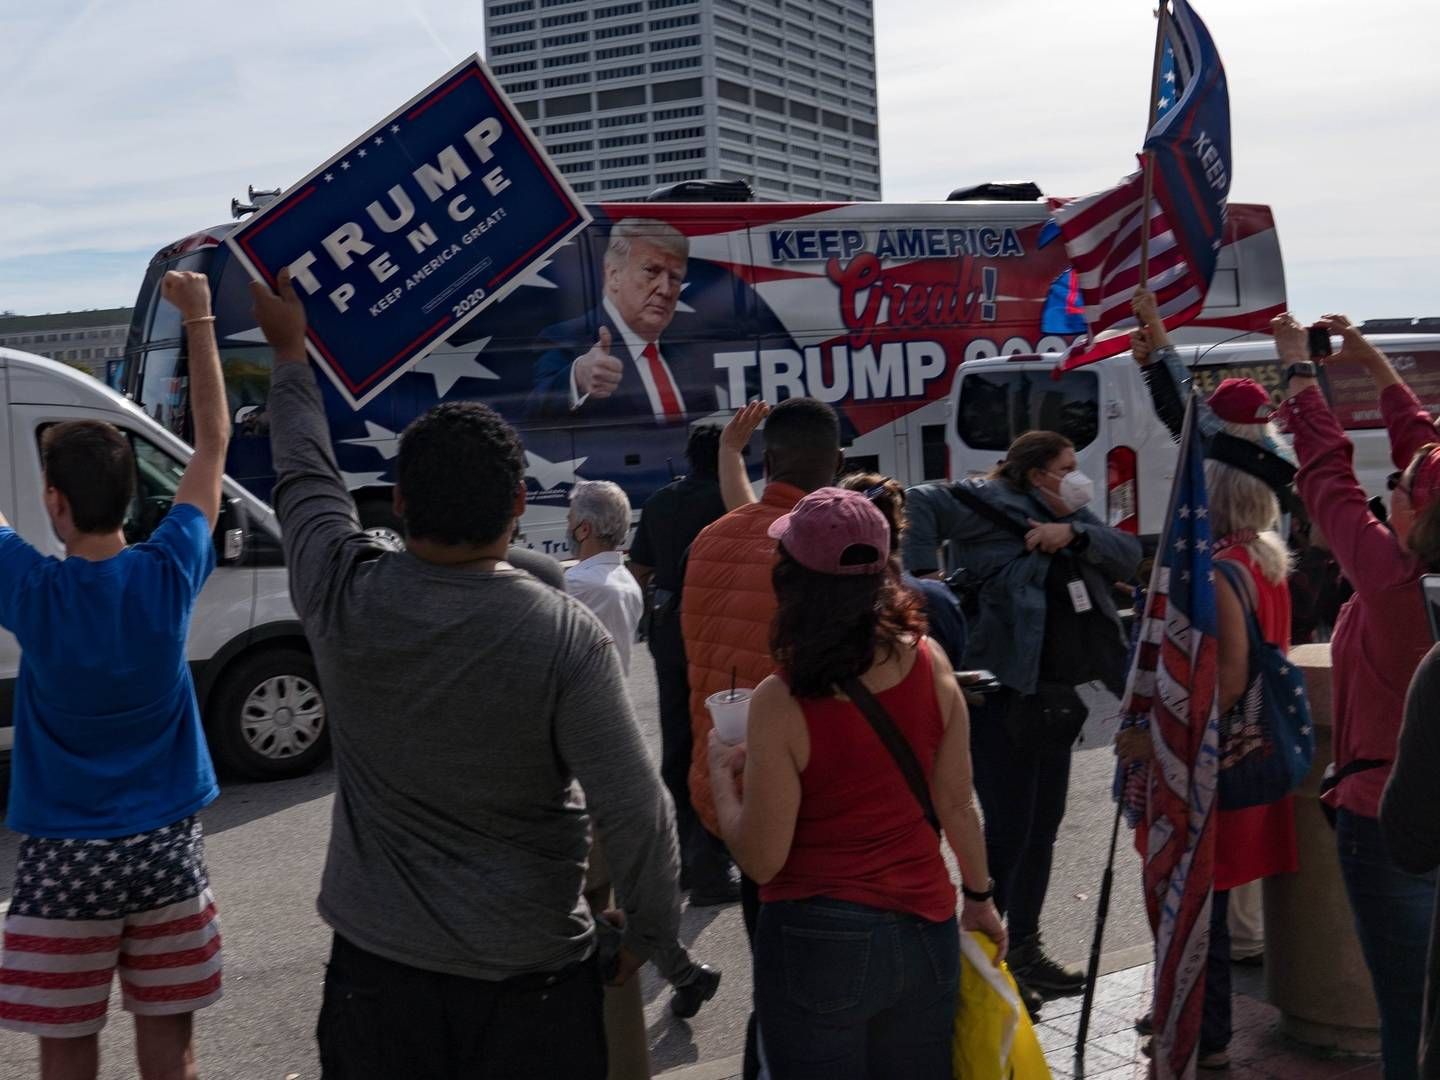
column 631, row 94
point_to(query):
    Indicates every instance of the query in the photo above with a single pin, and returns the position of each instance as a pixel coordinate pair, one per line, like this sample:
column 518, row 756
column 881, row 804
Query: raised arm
column 1165, row 376
column 319, row 527
column 735, row 487
column 1370, row 556
column 200, row 486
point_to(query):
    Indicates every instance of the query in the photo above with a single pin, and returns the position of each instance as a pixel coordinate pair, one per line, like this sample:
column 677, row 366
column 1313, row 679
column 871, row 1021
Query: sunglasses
column 1393, row 482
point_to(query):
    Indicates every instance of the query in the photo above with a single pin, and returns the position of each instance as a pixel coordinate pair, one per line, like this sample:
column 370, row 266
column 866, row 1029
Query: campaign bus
column 660, row 315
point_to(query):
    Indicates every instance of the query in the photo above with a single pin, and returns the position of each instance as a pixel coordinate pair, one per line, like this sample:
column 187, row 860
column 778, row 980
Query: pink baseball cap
column 1241, row 401
column 830, row 522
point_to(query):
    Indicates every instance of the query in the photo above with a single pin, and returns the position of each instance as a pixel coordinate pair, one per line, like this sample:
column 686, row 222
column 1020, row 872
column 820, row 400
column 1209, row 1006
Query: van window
column 157, row 478
column 998, row 406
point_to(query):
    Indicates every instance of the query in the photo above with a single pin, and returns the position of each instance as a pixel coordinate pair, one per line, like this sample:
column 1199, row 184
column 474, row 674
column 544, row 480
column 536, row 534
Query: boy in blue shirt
column 110, row 765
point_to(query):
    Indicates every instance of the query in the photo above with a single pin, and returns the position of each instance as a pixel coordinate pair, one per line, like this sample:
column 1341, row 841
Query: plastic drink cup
column 729, row 709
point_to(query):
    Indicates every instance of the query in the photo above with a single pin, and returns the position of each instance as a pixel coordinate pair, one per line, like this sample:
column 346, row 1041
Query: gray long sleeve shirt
column 463, row 705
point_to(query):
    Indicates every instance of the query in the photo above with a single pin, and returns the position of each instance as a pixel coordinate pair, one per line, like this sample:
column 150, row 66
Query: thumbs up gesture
column 597, row 373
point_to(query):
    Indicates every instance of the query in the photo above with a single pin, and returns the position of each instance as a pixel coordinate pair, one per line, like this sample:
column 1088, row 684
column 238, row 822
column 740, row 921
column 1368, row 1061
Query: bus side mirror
column 230, row 531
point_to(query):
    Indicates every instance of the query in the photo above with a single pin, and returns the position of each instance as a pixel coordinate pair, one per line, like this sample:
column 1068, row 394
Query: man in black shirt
column 670, row 520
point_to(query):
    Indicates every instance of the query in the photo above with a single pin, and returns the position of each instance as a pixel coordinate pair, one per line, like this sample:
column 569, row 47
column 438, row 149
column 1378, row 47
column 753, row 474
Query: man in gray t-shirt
column 465, row 700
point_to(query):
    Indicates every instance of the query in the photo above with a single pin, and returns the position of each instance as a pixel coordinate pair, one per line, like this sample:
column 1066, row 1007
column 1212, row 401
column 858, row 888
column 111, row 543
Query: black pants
column 381, row 1020
column 1215, row 1017
column 750, row 912
column 1022, row 791
column 706, row 864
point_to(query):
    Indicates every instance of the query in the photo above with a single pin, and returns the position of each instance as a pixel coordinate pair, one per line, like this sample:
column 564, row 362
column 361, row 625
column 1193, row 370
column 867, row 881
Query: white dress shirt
column 602, row 584
column 636, row 344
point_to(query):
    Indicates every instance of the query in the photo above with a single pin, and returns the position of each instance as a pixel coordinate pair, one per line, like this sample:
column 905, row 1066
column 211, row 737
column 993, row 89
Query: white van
column 1105, row 409
column 259, row 695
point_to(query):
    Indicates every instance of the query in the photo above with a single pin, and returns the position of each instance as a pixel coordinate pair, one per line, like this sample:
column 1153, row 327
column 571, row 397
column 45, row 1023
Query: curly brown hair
column 829, row 628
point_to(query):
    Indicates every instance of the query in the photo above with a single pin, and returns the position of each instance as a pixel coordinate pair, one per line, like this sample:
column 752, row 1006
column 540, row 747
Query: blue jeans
column 1392, row 912
column 849, row 992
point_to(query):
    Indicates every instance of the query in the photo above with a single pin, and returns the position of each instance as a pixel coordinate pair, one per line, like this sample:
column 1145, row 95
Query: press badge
column 1079, row 596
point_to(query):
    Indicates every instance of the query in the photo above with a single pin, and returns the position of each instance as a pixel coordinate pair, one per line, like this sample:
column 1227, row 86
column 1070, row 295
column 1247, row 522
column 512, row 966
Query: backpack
column 1266, row 741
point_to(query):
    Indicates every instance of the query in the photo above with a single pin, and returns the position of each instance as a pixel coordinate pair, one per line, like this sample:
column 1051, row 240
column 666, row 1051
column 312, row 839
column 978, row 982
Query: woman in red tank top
column 856, row 950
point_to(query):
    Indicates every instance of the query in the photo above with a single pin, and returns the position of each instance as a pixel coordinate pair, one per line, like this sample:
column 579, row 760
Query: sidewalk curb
column 729, row 1067
column 719, row 1069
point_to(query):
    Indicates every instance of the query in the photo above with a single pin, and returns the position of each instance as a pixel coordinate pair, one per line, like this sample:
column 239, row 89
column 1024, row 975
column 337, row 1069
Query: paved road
column 266, row 845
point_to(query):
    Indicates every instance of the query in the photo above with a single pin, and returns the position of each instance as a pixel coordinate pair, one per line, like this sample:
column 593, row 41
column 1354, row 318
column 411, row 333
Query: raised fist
column 188, row 291
column 597, row 373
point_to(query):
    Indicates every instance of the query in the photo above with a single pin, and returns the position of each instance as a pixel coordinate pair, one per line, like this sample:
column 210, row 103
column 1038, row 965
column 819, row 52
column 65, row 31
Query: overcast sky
column 128, row 125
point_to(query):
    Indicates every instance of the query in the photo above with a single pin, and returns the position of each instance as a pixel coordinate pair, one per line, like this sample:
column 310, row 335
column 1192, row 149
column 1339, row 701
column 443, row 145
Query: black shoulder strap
column 895, row 741
column 987, row 510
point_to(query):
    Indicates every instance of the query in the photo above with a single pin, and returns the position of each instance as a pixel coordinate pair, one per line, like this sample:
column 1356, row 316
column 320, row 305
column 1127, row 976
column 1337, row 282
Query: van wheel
column 378, row 519
column 268, row 718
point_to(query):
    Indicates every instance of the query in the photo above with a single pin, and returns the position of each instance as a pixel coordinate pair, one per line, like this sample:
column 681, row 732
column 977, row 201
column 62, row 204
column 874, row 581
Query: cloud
column 131, row 125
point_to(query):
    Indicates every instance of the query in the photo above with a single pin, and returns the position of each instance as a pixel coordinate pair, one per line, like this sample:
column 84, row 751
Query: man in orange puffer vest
column 728, row 601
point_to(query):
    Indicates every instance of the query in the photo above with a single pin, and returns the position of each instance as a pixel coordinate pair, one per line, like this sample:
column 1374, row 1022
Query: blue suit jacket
column 550, row 395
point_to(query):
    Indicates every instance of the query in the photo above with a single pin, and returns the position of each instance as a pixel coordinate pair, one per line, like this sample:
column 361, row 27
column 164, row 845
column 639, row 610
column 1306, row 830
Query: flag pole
column 1151, row 115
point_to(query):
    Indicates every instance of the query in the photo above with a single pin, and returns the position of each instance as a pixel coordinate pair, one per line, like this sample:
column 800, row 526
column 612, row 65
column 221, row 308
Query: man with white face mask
column 1040, row 570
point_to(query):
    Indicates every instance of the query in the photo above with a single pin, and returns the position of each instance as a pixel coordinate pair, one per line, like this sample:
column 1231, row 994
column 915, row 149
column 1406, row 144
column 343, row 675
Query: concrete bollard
column 1314, row 971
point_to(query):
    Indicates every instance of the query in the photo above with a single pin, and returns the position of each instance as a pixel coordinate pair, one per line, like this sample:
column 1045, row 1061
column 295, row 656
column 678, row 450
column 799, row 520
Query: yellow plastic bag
column 993, row 1036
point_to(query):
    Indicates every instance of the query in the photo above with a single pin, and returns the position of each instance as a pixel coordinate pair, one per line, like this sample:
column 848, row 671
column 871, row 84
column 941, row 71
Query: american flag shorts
column 83, row 909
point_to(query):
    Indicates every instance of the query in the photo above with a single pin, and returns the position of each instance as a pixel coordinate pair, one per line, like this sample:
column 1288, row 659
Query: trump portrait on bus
column 611, row 363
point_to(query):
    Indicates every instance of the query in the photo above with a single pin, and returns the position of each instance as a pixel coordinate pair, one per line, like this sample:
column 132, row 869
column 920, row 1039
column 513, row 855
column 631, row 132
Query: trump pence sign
column 413, row 229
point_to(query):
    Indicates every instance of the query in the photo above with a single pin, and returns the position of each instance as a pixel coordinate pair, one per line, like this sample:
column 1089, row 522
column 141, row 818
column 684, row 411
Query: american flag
column 1174, row 682
column 1189, row 144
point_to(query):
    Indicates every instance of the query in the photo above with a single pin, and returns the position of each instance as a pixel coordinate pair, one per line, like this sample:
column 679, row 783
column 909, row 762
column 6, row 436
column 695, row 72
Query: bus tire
column 267, row 718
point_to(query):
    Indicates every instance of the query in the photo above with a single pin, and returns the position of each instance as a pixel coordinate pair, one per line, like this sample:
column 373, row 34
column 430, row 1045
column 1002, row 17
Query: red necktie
column 669, row 398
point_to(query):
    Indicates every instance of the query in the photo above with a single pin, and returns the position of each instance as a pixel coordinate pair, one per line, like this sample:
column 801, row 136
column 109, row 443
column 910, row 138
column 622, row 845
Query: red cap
column 826, row 524
column 1241, row 401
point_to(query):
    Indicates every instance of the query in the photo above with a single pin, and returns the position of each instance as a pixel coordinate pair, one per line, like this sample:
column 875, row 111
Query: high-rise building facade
column 631, row 94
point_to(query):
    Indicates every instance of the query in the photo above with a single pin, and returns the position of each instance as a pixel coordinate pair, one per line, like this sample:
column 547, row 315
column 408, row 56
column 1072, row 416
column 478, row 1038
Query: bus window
column 165, row 322
column 165, row 389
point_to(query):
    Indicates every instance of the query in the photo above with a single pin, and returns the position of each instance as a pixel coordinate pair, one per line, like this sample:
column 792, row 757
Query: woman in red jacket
column 1380, row 637
column 856, row 951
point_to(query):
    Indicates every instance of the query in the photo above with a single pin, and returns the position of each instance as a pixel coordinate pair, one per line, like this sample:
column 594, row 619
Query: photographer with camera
column 1380, row 637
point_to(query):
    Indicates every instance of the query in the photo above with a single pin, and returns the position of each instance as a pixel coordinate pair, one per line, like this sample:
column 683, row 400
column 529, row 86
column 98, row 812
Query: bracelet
column 198, row 318
column 978, row 897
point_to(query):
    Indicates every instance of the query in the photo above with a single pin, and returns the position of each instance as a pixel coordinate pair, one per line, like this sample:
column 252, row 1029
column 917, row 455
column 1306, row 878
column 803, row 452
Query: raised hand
column 597, row 373
column 1291, row 341
column 742, row 425
column 188, row 291
column 1140, row 346
column 281, row 316
column 1353, row 346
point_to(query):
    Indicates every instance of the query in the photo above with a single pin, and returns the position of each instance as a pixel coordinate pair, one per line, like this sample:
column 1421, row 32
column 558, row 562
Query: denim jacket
column 1008, row 635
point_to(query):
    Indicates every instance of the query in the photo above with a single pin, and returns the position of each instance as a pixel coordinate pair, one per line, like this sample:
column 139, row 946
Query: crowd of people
column 503, row 848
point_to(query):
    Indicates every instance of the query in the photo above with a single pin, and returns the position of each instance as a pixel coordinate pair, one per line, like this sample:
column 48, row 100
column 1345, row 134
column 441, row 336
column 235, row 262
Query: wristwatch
column 978, row 897
column 1305, row 369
